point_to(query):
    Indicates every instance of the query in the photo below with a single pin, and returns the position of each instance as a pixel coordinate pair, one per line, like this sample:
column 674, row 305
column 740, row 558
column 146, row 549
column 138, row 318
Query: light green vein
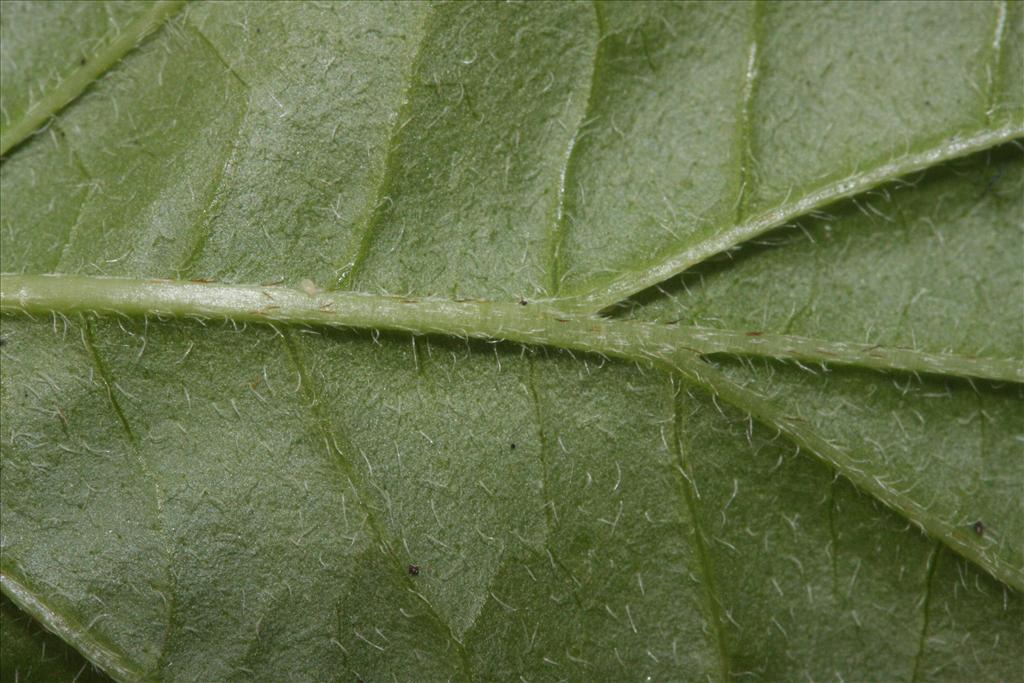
column 105, row 655
column 536, row 323
column 676, row 348
column 86, row 74
column 929, row 580
column 996, row 59
column 159, row 497
column 744, row 125
column 340, row 455
column 700, row 545
column 602, row 294
column 359, row 245
column 559, row 226
column 804, row 435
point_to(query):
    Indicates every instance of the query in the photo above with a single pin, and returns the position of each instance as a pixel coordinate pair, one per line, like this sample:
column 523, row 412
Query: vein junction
column 535, row 322
column 600, row 295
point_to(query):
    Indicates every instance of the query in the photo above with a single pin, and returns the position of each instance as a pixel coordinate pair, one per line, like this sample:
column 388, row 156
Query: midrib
column 674, row 348
column 540, row 323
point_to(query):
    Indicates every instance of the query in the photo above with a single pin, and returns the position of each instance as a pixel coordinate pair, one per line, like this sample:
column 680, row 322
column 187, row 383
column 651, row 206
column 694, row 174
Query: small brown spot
column 82, row 61
column 979, row 528
column 754, row 334
column 513, row 446
column 414, row 570
column 523, row 302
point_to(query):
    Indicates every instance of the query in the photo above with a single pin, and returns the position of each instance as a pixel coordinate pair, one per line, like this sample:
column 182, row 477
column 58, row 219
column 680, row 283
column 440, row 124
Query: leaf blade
column 537, row 494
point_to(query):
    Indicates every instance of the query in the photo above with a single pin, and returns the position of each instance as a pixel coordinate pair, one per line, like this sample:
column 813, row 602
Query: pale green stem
column 602, row 295
column 82, row 77
column 536, row 322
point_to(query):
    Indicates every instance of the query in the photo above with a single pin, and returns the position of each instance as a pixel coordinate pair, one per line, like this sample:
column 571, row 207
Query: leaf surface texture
column 532, row 490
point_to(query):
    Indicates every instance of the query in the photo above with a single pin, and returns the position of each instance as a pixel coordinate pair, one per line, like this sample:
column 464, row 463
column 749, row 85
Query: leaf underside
column 532, row 490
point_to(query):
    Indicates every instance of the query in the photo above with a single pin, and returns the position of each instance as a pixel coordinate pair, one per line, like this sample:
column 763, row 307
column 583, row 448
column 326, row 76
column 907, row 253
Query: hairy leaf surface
column 407, row 446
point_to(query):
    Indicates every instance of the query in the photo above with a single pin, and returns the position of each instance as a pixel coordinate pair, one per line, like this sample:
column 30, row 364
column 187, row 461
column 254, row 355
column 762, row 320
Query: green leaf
column 926, row 294
column 304, row 377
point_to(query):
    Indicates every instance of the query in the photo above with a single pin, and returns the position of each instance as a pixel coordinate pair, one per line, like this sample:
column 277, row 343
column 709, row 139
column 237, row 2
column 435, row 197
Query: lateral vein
column 99, row 651
column 359, row 245
column 341, row 456
column 604, row 294
column 744, row 130
column 159, row 496
column 81, row 78
column 699, row 540
column 704, row 375
column 560, row 227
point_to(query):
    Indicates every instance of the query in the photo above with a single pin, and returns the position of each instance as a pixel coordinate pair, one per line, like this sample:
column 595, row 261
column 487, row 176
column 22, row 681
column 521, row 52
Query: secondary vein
column 159, row 496
column 805, row 436
column 341, row 456
column 560, row 227
column 604, row 294
column 100, row 651
column 359, row 245
column 929, row 580
column 538, row 323
column 700, row 544
column 744, row 130
column 81, row 78
column 995, row 60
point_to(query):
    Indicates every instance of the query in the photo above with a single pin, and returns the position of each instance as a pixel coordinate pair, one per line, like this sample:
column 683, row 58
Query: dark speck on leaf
column 414, row 570
column 82, row 61
column 979, row 528
column 513, row 446
column 522, row 302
